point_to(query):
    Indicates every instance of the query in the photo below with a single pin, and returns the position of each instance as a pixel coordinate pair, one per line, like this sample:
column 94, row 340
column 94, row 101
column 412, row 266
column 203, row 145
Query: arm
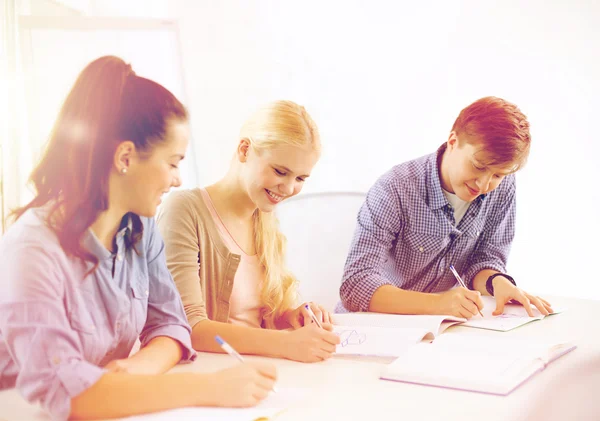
column 245, row 340
column 492, row 250
column 391, row 299
column 165, row 338
column 117, row 395
column 378, row 225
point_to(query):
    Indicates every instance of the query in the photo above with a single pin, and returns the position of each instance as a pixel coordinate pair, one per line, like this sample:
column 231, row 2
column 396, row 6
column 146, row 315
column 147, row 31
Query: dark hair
column 107, row 104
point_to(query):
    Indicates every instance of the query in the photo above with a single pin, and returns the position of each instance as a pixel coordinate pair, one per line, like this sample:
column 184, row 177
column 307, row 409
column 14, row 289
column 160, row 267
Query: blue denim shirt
column 59, row 327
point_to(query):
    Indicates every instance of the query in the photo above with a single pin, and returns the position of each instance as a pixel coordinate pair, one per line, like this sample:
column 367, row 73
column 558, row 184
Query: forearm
column 245, row 340
column 159, row 356
column 118, row 395
column 391, row 299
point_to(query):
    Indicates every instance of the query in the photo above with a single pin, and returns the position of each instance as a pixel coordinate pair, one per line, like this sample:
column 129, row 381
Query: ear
column 123, row 155
column 452, row 142
column 243, row 149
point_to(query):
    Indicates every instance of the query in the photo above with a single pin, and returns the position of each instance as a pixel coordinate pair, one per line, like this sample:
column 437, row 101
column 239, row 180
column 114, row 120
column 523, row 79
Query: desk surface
column 349, row 388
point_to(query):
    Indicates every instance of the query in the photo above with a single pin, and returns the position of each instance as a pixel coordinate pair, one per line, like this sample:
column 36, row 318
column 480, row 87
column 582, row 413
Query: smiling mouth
column 472, row 191
column 275, row 198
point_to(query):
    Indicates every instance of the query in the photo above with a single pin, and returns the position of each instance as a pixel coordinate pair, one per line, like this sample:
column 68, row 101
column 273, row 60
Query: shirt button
column 146, row 292
column 119, row 257
column 477, row 233
column 118, row 325
column 421, row 249
column 55, row 360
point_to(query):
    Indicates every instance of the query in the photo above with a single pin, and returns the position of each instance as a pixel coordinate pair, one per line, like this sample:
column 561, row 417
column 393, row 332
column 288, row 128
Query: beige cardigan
column 197, row 257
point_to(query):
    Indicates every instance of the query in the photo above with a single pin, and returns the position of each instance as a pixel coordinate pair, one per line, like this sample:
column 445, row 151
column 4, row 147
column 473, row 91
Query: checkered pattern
column 406, row 236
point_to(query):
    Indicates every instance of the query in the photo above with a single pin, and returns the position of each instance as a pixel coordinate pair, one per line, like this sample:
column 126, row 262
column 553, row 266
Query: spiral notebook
column 486, row 364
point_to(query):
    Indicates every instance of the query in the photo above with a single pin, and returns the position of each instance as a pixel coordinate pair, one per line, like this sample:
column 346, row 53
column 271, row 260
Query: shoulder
column 409, row 176
column 31, row 256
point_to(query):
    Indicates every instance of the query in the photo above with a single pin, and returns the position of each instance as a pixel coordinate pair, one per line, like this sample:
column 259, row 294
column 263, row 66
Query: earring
column 123, row 170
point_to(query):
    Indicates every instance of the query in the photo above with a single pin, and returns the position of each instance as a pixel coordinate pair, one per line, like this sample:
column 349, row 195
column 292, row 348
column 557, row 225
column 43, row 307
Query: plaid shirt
column 406, row 235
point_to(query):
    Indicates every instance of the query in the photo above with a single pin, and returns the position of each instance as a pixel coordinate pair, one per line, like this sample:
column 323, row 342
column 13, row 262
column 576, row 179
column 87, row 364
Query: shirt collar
column 91, row 242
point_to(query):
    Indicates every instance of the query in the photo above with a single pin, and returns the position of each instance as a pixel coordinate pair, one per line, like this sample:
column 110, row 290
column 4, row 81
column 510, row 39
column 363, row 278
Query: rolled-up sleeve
column 493, row 246
column 378, row 225
column 36, row 331
column 166, row 316
column 178, row 225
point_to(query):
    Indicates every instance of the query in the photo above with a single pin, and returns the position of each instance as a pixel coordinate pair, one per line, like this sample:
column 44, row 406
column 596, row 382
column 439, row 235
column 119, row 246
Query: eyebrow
column 503, row 173
column 288, row 170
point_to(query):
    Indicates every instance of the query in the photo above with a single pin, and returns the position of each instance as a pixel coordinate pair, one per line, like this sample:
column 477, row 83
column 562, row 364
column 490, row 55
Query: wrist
column 499, row 280
column 277, row 344
column 433, row 303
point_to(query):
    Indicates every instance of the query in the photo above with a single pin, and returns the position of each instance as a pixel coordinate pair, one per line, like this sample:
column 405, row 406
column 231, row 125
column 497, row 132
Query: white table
column 348, row 388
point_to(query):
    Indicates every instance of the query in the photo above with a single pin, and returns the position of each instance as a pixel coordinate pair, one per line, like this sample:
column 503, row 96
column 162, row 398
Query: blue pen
column 229, row 349
column 461, row 282
column 312, row 315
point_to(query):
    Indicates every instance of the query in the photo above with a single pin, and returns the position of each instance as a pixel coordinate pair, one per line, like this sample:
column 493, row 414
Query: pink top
column 244, row 306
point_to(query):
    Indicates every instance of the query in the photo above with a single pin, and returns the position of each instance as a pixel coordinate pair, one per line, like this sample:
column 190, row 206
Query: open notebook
column 489, row 364
column 273, row 405
column 386, row 335
column 514, row 315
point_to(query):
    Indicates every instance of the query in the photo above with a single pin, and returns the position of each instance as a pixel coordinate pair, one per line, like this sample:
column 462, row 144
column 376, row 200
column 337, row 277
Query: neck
column 105, row 227
column 443, row 165
column 230, row 198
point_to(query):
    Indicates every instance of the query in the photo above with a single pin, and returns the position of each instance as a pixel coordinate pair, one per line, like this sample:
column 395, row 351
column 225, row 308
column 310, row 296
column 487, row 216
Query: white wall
column 385, row 80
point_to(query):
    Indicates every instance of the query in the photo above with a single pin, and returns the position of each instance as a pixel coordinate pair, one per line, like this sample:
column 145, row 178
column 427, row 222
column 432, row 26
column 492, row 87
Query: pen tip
column 219, row 340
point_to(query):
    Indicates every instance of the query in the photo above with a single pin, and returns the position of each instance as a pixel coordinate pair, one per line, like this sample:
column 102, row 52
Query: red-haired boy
column 453, row 207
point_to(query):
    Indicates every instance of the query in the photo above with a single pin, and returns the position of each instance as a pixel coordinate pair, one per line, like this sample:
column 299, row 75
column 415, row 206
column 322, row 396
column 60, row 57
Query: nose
column 483, row 183
column 287, row 187
column 176, row 181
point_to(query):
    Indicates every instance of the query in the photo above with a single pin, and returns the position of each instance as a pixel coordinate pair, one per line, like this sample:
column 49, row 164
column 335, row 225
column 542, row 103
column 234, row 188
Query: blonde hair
column 275, row 124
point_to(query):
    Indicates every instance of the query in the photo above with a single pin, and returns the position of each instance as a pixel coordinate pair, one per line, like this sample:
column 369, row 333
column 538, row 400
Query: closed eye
column 478, row 168
column 281, row 173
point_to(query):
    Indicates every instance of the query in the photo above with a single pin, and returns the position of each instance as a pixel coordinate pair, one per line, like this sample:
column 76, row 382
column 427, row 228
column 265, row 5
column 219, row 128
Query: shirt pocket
column 139, row 303
column 83, row 325
column 420, row 249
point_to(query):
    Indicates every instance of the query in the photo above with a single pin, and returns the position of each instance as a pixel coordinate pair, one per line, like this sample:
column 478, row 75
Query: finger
column 469, row 306
column 500, row 302
column 317, row 312
column 295, row 322
column 522, row 298
column 327, row 347
column 472, row 295
column 549, row 308
column 321, row 355
column 546, row 303
column 464, row 313
column 328, row 327
column 306, row 318
column 538, row 304
column 267, row 370
column 326, row 316
column 259, row 394
column 329, row 337
column 265, row 383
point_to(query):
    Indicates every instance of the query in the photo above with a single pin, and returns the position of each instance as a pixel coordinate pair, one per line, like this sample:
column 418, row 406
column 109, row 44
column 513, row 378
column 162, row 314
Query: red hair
column 499, row 127
column 108, row 104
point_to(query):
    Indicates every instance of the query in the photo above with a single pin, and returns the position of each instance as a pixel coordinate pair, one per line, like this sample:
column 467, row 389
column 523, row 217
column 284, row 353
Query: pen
column 461, row 282
column 229, row 349
column 312, row 315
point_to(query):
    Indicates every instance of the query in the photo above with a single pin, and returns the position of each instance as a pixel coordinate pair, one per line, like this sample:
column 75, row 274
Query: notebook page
column 484, row 364
column 271, row 406
column 429, row 323
column 514, row 315
column 376, row 341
